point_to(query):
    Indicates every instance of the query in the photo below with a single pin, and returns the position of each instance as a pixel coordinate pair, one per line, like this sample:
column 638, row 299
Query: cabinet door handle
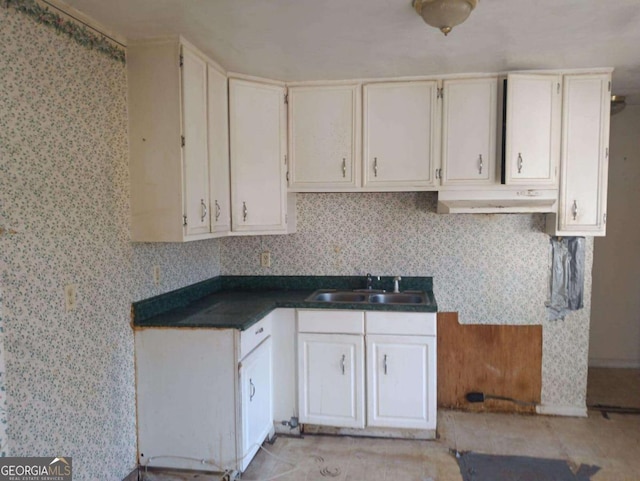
column 384, row 364
column 480, row 165
column 252, row 390
column 245, row 211
column 342, row 363
column 344, row 167
column 260, row 331
column 574, row 209
column 217, row 210
column 203, row 210
column 375, row 166
column 519, row 163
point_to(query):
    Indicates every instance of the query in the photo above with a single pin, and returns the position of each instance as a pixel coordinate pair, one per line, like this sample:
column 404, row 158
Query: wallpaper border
column 71, row 28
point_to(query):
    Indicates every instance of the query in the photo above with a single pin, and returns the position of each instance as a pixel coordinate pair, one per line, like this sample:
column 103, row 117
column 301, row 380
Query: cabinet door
column 331, row 379
column 324, row 133
column 401, row 381
column 532, row 145
column 585, row 147
column 258, row 147
column 219, row 151
column 257, row 400
column 400, row 134
column 469, row 131
column 194, row 131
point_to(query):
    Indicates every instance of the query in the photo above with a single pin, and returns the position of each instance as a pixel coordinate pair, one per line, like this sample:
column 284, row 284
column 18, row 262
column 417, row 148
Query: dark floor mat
column 489, row 467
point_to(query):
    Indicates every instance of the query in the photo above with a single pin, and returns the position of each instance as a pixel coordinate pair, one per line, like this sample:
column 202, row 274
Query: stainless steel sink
column 397, row 298
column 338, row 296
column 375, row 297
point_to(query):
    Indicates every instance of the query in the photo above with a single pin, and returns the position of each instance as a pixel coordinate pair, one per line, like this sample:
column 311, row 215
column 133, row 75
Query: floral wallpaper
column 489, row 268
column 64, row 219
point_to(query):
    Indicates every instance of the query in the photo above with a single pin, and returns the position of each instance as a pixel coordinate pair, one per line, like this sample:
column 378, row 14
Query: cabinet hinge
column 440, row 93
column 181, row 60
column 604, row 218
column 286, row 218
column 184, row 220
column 182, row 140
column 606, row 152
column 286, row 98
column 609, row 87
column 287, row 176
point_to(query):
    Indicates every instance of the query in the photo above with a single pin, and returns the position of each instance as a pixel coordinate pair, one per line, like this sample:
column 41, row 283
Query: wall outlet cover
column 265, row 259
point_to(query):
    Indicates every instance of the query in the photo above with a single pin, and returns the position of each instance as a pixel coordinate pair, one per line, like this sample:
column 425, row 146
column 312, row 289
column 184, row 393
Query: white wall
column 615, row 314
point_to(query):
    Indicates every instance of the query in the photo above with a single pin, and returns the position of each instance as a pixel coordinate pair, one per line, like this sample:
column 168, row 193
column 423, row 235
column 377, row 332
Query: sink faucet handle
column 396, row 283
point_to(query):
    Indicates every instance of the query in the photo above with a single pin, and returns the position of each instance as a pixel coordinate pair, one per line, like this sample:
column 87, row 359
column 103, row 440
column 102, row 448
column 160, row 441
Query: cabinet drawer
column 401, row 323
column 330, row 321
column 253, row 336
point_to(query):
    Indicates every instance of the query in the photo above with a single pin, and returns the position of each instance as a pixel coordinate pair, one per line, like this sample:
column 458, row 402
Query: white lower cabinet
column 203, row 394
column 331, row 381
column 400, row 359
column 400, row 385
column 257, row 400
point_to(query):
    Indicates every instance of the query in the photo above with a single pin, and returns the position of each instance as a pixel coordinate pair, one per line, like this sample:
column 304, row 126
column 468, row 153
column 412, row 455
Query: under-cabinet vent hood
column 502, row 200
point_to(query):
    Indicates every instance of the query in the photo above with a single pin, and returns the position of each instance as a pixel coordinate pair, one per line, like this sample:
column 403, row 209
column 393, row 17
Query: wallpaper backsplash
column 489, row 268
column 64, row 214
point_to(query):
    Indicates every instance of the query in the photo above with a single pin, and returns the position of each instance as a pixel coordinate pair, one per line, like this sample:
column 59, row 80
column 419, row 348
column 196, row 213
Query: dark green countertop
column 239, row 302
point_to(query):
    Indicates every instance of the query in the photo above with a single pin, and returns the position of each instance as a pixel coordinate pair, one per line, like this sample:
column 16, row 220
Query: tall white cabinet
column 582, row 208
column 400, row 134
column 532, row 149
column 177, row 142
column 257, row 124
column 324, row 137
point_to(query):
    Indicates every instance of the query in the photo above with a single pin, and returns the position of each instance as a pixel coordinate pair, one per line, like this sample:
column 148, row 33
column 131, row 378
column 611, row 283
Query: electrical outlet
column 70, row 297
column 265, row 259
column 156, row 275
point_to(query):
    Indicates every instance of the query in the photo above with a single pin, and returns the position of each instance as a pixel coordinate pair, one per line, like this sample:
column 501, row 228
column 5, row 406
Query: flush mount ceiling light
column 618, row 103
column 444, row 14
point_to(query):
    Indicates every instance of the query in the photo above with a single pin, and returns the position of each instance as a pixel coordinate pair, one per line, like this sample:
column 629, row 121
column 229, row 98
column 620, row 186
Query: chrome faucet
column 370, row 281
column 396, row 284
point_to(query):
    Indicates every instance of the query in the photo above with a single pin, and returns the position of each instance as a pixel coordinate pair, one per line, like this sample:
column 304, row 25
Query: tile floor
column 613, row 444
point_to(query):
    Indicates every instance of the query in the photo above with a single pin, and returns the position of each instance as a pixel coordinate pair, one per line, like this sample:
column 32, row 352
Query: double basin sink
column 368, row 296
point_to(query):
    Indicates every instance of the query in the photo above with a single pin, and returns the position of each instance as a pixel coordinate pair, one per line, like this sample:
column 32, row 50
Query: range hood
column 497, row 200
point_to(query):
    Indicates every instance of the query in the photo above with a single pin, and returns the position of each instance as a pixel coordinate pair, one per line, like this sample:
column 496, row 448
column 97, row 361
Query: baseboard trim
column 132, row 476
column 560, row 410
column 615, row 363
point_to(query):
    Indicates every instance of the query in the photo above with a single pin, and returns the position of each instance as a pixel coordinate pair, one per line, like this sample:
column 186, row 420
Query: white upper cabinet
column 469, row 131
column 218, row 124
column 175, row 141
column 257, row 123
column 324, row 136
column 400, row 135
column 584, row 163
column 195, row 150
column 532, row 148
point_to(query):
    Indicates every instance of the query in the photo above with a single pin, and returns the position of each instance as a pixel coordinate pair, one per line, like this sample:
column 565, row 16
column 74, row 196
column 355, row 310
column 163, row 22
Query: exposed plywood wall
column 493, row 359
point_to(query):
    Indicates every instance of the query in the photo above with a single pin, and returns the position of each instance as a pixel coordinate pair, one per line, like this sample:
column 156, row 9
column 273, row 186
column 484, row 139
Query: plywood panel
column 494, row 359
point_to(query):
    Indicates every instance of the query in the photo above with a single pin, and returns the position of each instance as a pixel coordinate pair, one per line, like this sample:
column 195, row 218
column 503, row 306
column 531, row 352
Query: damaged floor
column 613, row 444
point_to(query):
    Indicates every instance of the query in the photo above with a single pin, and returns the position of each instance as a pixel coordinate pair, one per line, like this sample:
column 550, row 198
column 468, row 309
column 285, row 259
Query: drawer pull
column 342, row 363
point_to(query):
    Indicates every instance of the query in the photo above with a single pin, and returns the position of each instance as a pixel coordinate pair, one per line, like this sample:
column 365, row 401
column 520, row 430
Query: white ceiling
column 340, row 39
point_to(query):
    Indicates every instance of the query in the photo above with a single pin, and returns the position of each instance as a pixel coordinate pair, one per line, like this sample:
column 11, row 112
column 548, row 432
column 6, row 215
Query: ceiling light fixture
column 618, row 103
column 444, row 14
